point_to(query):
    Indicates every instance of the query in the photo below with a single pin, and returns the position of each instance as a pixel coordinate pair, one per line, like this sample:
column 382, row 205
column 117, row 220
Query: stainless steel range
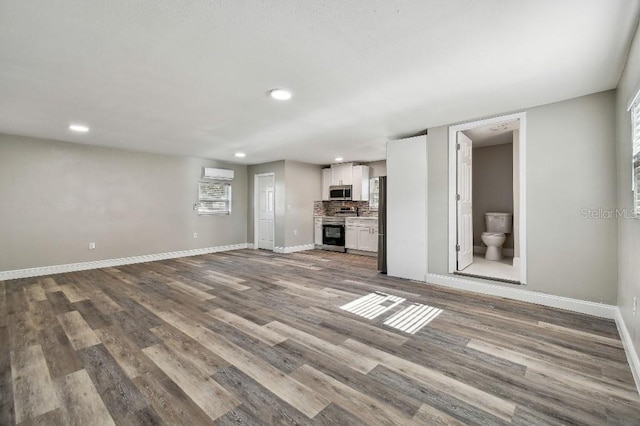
column 333, row 229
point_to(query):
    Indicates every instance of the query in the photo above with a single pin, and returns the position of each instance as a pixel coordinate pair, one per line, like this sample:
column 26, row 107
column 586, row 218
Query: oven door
column 333, row 237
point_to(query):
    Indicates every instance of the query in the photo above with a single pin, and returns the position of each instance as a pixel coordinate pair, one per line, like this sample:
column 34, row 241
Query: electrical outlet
column 295, row 232
column 195, row 235
column 92, row 246
column 635, row 306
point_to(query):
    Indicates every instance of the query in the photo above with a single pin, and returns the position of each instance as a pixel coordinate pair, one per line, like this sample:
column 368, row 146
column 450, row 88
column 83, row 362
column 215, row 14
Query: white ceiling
column 495, row 134
column 190, row 77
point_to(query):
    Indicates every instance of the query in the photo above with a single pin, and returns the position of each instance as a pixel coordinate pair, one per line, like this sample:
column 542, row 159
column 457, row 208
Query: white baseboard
column 251, row 246
column 483, row 250
column 601, row 310
column 82, row 266
column 293, row 249
column 629, row 349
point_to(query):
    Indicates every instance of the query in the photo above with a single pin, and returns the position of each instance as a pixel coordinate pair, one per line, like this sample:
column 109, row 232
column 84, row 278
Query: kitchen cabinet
column 361, row 234
column 347, row 174
column 317, row 231
column 326, row 183
column 341, row 174
column 360, row 189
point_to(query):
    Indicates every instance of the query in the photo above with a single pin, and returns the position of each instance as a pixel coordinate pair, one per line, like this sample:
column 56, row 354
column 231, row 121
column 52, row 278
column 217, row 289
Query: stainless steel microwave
column 340, row 193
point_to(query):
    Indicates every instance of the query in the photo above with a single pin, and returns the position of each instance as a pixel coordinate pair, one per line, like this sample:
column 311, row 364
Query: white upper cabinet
column 360, row 191
column 326, row 183
column 341, row 174
column 347, row 174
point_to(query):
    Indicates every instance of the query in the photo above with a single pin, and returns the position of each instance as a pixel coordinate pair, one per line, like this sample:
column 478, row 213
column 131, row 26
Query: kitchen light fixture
column 280, row 94
column 338, row 159
column 240, row 154
column 80, row 128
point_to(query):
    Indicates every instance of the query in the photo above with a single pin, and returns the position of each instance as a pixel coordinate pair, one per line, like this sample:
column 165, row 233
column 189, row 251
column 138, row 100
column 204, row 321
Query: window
column 635, row 168
column 214, row 198
column 374, row 194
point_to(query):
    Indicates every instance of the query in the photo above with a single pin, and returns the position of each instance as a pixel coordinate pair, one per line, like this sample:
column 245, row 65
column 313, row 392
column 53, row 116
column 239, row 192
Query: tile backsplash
column 329, row 208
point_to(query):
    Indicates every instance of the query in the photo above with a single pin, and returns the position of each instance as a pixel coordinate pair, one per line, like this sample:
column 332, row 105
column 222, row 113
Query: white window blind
column 635, row 134
column 214, row 198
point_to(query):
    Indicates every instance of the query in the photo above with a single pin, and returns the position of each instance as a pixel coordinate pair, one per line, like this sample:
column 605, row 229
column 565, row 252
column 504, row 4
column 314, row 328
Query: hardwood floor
column 253, row 337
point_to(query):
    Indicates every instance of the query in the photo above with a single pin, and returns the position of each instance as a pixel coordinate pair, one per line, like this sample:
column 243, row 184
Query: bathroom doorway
column 487, row 199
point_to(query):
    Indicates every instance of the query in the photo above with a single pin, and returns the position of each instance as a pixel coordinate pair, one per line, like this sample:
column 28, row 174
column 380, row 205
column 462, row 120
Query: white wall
column 628, row 229
column 56, row 197
column 570, row 166
column 407, row 208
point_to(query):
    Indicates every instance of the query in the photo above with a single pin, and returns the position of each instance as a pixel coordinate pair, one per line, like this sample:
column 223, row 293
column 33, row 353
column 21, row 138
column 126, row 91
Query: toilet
column 498, row 225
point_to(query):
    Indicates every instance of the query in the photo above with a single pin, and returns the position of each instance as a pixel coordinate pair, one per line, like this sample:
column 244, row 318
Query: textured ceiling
column 190, row 77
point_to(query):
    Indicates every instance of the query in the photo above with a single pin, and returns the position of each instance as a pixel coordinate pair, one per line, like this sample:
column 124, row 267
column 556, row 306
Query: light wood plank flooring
column 253, row 337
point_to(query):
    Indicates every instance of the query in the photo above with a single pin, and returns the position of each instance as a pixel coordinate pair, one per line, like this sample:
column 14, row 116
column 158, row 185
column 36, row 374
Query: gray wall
column 59, row 196
column 492, row 187
column 276, row 167
column 570, row 166
column 297, row 185
column 378, row 168
column 628, row 229
column 303, row 186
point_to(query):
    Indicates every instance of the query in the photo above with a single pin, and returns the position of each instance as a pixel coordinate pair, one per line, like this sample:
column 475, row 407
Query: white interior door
column 265, row 211
column 464, row 204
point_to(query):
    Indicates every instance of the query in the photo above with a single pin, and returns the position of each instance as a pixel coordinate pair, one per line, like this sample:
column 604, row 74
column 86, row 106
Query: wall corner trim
column 293, row 249
column 601, row 310
column 629, row 350
column 82, row 266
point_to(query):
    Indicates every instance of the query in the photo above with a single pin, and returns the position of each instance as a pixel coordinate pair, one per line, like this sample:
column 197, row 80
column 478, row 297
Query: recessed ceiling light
column 338, row 159
column 280, row 94
column 80, row 128
column 240, row 154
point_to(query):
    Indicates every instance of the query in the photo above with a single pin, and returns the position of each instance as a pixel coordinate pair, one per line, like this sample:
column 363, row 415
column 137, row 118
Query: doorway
column 487, row 237
column 264, row 211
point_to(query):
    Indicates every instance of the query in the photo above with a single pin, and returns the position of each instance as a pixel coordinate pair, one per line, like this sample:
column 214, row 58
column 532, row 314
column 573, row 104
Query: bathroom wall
column 492, row 187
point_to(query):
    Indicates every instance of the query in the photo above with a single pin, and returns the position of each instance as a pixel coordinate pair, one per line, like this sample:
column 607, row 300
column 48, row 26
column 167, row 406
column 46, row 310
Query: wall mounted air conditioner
column 217, row 174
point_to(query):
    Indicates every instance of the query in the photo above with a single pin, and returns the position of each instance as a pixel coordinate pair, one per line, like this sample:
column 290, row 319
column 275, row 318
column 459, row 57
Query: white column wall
column 407, row 208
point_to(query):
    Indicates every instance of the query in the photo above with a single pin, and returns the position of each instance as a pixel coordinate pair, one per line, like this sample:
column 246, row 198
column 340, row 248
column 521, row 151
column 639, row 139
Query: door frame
column 453, row 130
column 256, row 208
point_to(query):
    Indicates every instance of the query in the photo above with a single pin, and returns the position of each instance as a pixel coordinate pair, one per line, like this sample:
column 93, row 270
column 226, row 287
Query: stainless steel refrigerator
column 382, row 225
